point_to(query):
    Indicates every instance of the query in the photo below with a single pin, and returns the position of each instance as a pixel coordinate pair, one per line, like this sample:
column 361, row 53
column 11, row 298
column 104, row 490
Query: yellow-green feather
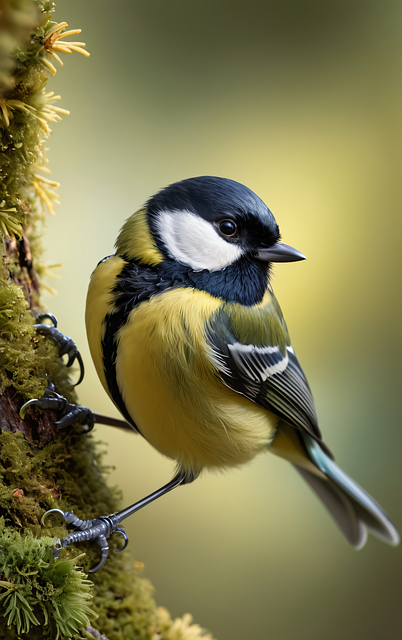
column 135, row 241
column 100, row 302
column 260, row 325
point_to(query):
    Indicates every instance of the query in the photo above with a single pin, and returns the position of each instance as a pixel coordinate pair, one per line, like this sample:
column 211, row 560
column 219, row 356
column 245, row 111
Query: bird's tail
column 354, row 510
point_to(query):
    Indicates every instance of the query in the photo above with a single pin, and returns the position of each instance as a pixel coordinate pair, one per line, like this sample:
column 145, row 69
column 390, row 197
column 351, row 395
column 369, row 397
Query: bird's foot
column 98, row 530
column 72, row 414
column 102, row 528
column 66, row 345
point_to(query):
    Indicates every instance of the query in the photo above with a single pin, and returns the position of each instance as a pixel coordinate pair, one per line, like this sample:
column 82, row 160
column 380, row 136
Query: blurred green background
column 301, row 101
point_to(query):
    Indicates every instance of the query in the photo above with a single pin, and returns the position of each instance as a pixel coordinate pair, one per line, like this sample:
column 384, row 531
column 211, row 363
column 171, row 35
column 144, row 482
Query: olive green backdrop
column 301, row 101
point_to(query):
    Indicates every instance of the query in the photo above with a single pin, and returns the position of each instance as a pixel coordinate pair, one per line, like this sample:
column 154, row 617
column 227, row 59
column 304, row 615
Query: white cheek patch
column 190, row 239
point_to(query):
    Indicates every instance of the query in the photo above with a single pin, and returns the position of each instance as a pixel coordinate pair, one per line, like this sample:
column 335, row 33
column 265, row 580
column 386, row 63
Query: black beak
column 280, row 252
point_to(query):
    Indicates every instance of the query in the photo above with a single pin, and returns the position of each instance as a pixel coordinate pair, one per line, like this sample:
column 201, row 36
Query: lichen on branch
column 29, row 40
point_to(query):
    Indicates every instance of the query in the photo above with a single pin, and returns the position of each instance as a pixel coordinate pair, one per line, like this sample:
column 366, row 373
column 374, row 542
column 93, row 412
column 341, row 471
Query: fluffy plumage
column 190, row 343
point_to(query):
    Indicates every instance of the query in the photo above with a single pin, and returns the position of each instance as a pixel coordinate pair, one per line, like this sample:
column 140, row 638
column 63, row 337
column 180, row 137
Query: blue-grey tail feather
column 354, row 510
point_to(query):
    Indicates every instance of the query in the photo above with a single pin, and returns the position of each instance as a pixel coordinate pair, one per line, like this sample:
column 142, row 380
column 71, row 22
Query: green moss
column 25, row 110
column 38, row 591
column 123, row 601
column 62, row 474
column 19, row 19
column 70, row 475
column 27, row 360
column 46, row 6
column 21, row 147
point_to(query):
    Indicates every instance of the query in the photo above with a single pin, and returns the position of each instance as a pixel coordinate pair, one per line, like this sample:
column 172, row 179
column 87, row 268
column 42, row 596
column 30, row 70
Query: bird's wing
column 269, row 375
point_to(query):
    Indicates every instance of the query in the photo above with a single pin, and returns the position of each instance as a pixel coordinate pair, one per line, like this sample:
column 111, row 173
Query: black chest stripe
column 135, row 284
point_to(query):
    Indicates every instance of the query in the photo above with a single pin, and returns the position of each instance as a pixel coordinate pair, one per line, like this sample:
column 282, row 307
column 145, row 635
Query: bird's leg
column 71, row 413
column 65, row 343
column 102, row 528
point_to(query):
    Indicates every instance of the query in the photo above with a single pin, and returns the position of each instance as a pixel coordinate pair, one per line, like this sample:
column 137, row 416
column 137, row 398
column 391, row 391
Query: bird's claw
column 71, row 413
column 65, row 343
column 98, row 530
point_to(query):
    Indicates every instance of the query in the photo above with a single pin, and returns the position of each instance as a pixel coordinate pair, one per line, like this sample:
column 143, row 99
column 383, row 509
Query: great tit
column 191, row 345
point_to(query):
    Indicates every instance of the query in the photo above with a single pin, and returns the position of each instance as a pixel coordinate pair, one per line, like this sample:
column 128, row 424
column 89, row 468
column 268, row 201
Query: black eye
column 227, row 227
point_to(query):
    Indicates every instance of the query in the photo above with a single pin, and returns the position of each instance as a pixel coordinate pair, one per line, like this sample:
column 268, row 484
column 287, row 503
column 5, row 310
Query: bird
column 190, row 343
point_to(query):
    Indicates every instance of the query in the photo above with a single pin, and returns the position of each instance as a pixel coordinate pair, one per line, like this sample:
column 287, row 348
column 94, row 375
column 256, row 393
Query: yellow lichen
column 52, row 43
column 179, row 629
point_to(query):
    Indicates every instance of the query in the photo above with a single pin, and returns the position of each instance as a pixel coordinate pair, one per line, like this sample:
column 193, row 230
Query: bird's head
column 209, row 225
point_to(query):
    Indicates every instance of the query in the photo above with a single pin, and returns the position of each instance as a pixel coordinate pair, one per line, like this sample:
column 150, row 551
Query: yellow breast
column 100, row 301
column 168, row 383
